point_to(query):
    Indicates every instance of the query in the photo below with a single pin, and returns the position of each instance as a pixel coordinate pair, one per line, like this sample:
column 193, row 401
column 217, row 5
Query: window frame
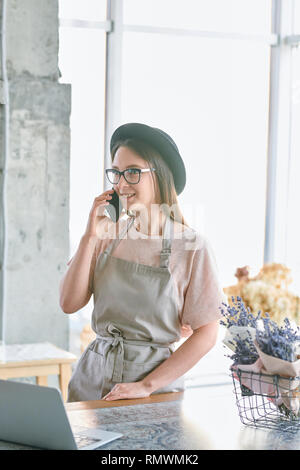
column 281, row 40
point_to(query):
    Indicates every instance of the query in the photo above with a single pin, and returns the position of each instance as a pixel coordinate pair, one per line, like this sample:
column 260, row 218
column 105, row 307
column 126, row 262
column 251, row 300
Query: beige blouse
column 192, row 265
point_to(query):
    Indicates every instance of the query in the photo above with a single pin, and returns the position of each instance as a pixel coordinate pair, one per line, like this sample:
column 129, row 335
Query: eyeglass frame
column 140, row 170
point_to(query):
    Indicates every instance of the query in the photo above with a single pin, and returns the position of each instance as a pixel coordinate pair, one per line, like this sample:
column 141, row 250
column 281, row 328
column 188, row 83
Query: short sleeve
column 204, row 294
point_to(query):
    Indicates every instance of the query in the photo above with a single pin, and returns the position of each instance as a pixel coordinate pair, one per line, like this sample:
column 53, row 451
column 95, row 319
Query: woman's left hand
column 127, row 390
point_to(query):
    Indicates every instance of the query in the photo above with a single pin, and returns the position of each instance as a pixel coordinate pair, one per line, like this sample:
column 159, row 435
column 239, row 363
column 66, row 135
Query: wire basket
column 267, row 401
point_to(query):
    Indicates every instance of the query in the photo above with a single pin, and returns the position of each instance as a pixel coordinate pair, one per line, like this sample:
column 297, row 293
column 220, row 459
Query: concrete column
column 36, row 164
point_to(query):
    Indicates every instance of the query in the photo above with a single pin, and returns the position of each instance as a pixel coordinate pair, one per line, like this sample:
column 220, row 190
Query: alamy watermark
column 194, row 216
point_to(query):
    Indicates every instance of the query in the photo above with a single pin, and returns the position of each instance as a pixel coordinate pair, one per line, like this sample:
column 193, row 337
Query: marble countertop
column 206, row 418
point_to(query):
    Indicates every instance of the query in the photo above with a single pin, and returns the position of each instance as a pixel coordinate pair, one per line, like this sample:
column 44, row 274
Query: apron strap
column 168, row 236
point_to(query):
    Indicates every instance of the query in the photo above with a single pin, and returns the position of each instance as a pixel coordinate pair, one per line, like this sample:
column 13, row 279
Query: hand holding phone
column 97, row 212
column 114, row 208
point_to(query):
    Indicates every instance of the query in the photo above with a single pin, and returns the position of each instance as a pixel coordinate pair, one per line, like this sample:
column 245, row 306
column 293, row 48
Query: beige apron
column 136, row 320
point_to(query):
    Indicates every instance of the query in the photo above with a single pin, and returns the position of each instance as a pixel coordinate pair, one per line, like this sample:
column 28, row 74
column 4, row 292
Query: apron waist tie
column 115, row 355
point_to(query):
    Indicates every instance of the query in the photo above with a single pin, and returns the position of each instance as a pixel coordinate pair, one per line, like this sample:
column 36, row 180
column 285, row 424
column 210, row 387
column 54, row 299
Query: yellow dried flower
column 267, row 292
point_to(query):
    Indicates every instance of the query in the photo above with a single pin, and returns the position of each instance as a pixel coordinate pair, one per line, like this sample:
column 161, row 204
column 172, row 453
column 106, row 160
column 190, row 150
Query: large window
column 210, row 92
column 293, row 223
column 205, row 72
column 82, row 64
column 200, row 71
column 293, row 233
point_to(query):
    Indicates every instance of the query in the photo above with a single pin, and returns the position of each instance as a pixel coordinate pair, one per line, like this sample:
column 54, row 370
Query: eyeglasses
column 131, row 175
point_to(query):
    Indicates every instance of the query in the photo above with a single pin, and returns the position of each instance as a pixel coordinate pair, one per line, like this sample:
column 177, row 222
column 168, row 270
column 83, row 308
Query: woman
column 152, row 276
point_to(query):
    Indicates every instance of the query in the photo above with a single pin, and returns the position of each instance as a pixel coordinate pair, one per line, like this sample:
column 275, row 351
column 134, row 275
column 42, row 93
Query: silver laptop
column 35, row 416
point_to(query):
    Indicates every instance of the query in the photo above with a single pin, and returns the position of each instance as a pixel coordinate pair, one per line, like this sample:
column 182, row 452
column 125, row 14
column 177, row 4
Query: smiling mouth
column 127, row 196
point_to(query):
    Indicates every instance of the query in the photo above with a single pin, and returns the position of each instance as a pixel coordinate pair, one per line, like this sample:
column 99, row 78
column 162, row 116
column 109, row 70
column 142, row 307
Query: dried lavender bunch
column 238, row 315
column 278, row 341
column 274, row 340
column 245, row 351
